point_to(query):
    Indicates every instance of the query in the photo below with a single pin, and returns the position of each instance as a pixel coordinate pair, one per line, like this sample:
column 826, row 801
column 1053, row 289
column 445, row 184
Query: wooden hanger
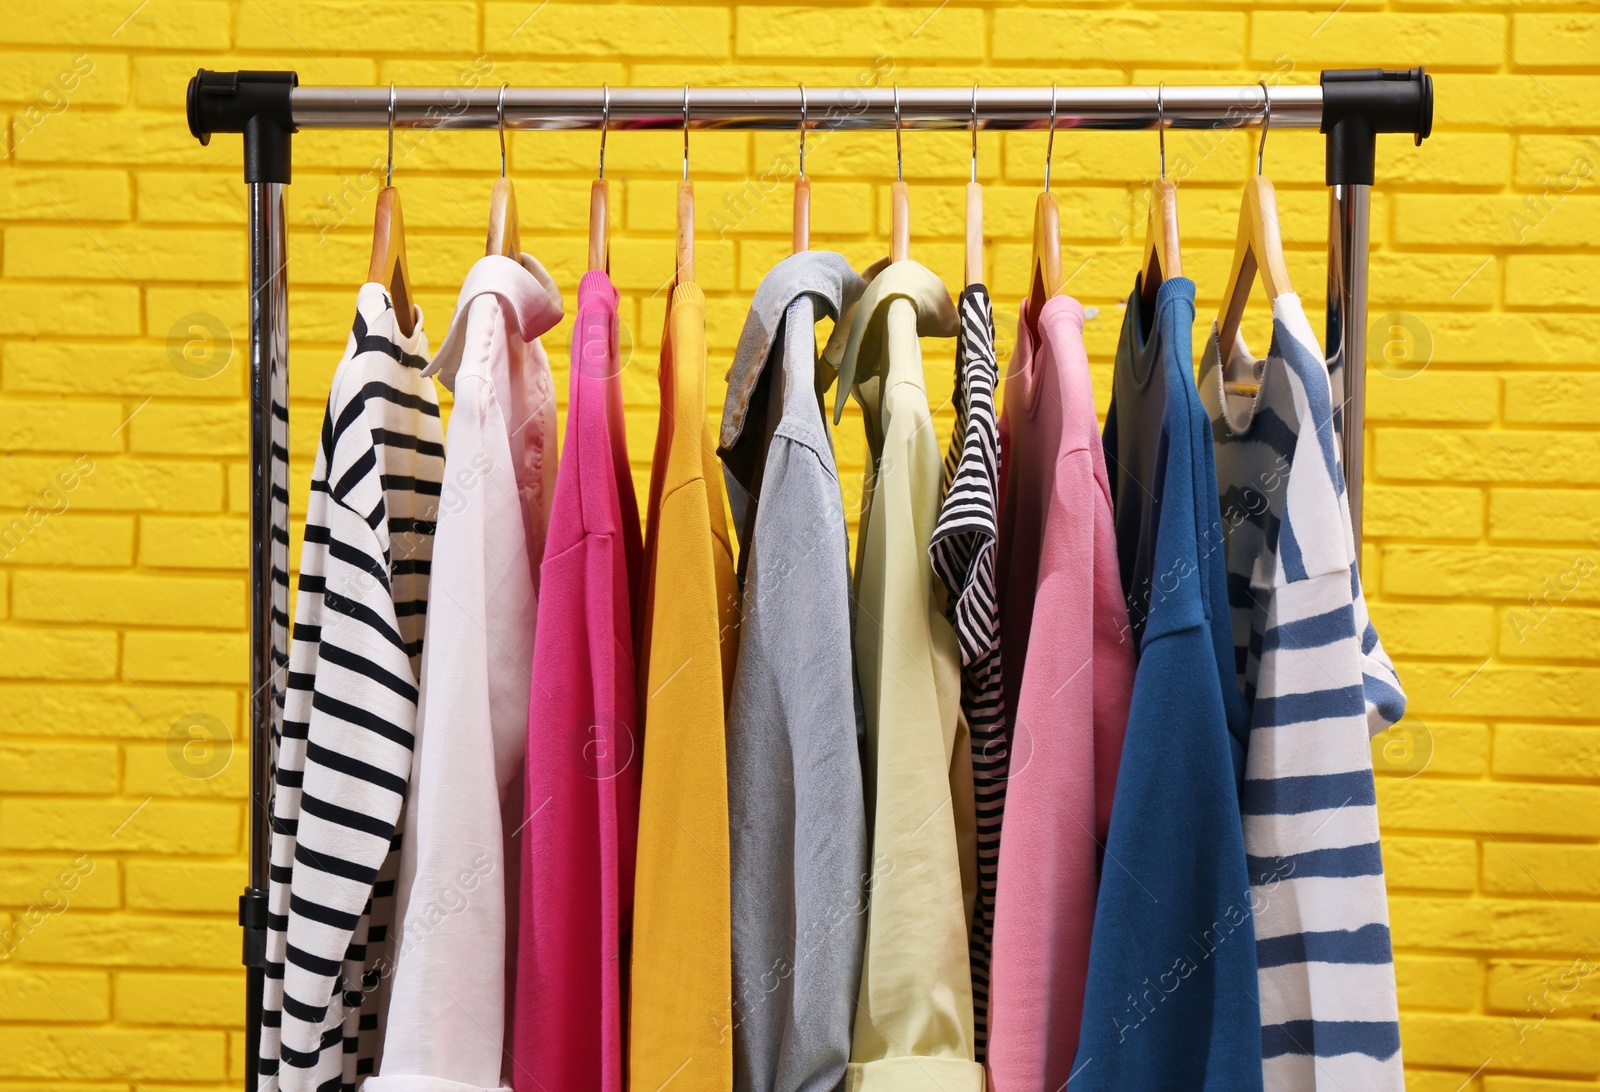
column 899, row 197
column 802, row 188
column 974, row 263
column 1258, row 249
column 504, row 237
column 388, row 265
column 599, row 244
column 1161, row 256
column 685, row 206
column 1044, row 278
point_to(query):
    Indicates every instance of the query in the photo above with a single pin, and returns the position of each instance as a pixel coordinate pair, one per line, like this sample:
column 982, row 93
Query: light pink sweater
column 1068, row 668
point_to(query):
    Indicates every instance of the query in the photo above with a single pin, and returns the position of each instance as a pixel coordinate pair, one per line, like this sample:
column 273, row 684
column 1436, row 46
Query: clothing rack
column 1350, row 106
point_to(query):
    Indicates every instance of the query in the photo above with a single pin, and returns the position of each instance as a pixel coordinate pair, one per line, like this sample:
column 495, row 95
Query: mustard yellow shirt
column 681, row 1021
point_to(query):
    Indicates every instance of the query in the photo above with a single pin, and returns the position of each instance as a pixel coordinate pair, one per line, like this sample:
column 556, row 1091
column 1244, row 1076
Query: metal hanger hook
column 388, row 171
column 803, row 112
column 686, row 132
column 1266, row 123
column 899, row 163
column 500, row 114
column 1161, row 124
column 1050, row 145
column 974, row 132
column 605, row 123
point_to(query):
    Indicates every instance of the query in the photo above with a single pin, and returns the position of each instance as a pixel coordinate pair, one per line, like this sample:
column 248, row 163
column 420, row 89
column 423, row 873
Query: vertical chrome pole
column 1348, row 240
column 269, row 568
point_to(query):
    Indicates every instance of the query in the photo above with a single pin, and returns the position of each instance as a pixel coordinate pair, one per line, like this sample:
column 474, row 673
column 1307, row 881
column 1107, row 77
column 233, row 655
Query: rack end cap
column 256, row 104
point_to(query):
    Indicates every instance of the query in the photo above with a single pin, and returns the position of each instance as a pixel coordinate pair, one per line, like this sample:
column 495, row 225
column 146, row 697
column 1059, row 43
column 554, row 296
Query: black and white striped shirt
column 963, row 554
column 350, row 705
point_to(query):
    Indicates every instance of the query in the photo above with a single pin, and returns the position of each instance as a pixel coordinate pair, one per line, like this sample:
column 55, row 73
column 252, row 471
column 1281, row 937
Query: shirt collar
column 528, row 293
column 863, row 337
column 820, row 274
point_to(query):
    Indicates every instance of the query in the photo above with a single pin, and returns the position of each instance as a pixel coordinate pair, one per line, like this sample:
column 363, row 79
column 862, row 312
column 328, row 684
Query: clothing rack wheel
column 1350, row 106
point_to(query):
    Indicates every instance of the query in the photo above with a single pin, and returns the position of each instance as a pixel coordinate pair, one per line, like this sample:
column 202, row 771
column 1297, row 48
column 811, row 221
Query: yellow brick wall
column 122, row 592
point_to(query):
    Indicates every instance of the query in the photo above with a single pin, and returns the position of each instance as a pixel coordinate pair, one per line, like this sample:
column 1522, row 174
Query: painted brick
column 1465, row 630
column 1441, row 864
column 152, row 600
column 86, row 311
column 1543, row 870
column 1343, row 38
column 171, row 656
column 1510, row 573
column 83, row 881
column 1556, row 162
column 1115, row 37
column 215, row 768
column 125, row 254
column 143, row 139
column 39, row 536
column 1555, row 41
column 195, row 429
column 128, row 825
column 568, row 30
column 894, row 34
column 37, row 652
column 166, row 24
column 65, row 195
column 116, row 484
column 128, row 711
column 418, row 26
column 142, row 371
column 1544, row 514
column 1514, row 926
column 1553, row 398
column 1521, row 457
column 58, row 768
column 194, row 542
column 1422, row 511
column 33, row 424
column 1548, row 628
column 167, row 884
column 1531, row 989
column 1438, row 982
column 1547, row 751
column 111, row 1052
column 189, row 1000
column 55, row 996
column 1559, row 1045
column 1472, row 807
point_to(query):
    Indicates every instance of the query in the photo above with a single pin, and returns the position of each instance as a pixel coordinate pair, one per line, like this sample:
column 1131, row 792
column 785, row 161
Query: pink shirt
column 581, row 818
column 1068, row 669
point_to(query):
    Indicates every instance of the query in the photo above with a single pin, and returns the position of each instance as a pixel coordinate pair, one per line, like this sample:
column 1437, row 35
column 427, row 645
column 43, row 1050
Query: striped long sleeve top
column 1318, row 681
column 344, row 754
column 963, row 554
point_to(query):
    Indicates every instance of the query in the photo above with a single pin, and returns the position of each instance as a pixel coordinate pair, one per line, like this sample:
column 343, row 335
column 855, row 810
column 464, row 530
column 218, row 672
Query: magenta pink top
column 581, row 815
column 1068, row 662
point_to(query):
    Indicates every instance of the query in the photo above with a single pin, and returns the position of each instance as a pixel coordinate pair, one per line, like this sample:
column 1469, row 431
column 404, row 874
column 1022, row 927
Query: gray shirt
column 798, row 833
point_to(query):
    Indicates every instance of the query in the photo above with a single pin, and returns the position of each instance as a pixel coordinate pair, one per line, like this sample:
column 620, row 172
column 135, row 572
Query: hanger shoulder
column 1045, row 269
column 974, row 233
column 1258, row 249
column 504, row 236
column 1162, row 260
column 900, row 222
column 685, row 231
column 802, row 214
column 1266, row 236
column 599, row 244
column 388, row 264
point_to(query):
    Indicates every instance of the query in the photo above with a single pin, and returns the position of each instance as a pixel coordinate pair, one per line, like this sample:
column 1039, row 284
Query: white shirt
column 458, row 879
